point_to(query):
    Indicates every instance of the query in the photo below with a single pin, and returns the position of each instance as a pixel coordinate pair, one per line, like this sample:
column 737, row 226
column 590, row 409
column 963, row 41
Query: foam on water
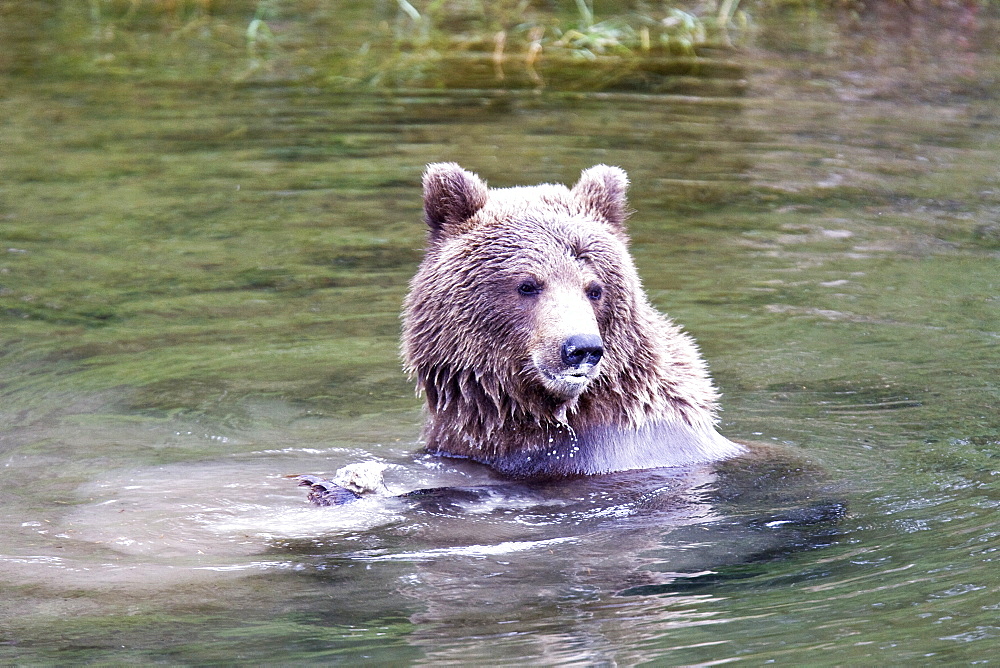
column 226, row 508
column 476, row 551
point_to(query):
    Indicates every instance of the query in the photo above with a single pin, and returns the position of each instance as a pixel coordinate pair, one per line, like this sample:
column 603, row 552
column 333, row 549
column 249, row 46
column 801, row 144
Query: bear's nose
column 582, row 349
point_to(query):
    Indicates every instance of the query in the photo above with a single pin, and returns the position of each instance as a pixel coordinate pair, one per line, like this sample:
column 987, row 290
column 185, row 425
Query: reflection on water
column 199, row 294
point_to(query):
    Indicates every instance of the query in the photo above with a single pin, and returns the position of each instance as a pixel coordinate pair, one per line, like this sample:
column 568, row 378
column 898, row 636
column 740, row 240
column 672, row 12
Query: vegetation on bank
column 562, row 44
column 387, row 42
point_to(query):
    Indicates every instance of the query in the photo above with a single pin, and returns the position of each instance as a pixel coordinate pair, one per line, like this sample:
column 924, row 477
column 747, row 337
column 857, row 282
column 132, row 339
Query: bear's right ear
column 451, row 196
column 601, row 191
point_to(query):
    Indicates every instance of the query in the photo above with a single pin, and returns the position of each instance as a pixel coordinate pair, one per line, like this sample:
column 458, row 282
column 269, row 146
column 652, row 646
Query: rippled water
column 199, row 295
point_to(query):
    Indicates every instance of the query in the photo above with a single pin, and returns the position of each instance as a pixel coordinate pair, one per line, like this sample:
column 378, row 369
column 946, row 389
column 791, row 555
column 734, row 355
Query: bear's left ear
column 601, row 191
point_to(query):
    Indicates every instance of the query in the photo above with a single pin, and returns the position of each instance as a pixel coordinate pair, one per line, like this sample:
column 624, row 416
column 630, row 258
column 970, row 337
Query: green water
column 202, row 259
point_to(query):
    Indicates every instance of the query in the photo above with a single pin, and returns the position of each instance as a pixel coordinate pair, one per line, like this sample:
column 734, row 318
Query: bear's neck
column 535, row 436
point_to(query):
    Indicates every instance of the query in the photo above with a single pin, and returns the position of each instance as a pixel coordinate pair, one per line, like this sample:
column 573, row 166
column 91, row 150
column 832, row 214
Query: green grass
column 366, row 44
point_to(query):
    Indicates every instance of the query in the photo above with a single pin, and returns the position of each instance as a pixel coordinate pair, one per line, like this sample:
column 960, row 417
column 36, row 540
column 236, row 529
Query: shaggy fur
column 511, row 281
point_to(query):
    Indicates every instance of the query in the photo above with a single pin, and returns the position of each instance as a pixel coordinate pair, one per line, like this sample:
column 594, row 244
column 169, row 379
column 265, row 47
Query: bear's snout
column 567, row 348
column 582, row 350
column 571, row 366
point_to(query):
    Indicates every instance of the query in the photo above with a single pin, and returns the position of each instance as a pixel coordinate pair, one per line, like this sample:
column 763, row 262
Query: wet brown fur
column 481, row 351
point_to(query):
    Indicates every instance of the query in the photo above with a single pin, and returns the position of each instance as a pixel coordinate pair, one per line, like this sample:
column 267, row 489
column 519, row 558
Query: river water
column 200, row 283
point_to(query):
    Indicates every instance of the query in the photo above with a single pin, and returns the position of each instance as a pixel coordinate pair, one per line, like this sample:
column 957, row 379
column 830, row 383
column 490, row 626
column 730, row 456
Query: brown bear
column 528, row 331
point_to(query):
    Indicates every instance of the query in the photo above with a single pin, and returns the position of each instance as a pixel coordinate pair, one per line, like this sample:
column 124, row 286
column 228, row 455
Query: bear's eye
column 529, row 288
column 594, row 292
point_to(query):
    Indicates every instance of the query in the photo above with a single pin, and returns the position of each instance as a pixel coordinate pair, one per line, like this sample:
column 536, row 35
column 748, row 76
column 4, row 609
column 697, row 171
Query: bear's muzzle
column 568, row 373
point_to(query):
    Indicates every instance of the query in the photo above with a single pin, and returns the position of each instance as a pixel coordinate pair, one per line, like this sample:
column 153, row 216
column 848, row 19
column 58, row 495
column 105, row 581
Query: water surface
column 199, row 293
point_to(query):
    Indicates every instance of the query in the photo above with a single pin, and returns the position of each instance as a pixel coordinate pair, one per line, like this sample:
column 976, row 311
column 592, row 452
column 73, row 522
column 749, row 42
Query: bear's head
column 527, row 298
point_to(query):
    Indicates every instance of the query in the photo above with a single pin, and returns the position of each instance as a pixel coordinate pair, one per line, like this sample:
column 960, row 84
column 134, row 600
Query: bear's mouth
column 567, row 383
